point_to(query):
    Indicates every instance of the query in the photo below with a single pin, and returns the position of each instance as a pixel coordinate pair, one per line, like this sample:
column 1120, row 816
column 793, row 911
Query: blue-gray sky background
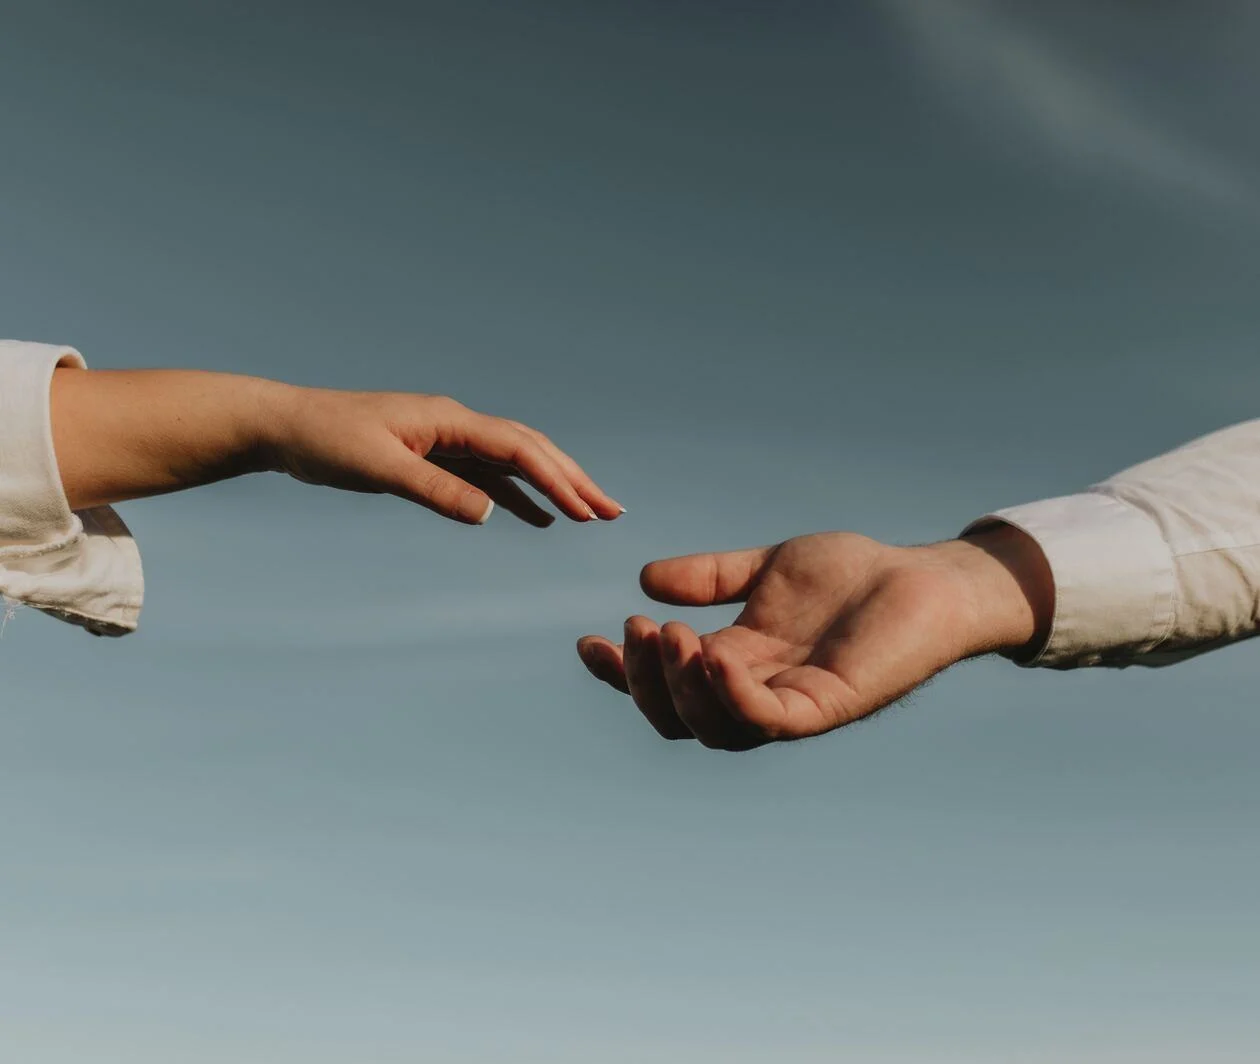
column 765, row 268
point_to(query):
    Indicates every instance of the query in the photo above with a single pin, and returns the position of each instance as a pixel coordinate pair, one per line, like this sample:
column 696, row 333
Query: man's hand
column 835, row 626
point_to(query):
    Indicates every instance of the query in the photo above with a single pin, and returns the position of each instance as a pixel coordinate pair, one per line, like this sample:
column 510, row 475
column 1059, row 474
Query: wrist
column 1008, row 589
column 270, row 405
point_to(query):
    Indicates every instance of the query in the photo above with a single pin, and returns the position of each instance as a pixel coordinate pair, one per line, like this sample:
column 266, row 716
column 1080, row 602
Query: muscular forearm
column 124, row 434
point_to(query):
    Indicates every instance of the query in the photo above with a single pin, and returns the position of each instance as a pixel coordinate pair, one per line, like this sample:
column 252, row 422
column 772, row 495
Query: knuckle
column 531, row 446
column 523, row 452
column 534, row 434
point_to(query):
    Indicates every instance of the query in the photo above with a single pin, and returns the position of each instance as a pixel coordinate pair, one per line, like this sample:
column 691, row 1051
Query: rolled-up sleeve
column 80, row 566
column 1157, row 563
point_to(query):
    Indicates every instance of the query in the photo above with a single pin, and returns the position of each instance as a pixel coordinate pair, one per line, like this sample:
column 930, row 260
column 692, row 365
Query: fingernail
column 476, row 508
column 594, row 515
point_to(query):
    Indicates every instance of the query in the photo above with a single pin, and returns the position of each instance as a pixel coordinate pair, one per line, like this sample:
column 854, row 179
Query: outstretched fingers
column 604, row 505
column 501, row 442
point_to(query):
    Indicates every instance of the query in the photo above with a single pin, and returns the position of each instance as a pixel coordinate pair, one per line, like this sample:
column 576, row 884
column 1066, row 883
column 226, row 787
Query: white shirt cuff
column 81, row 567
column 1114, row 578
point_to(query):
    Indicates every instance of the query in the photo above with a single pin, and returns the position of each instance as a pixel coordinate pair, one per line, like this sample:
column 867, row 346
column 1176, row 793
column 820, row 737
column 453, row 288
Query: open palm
column 834, row 627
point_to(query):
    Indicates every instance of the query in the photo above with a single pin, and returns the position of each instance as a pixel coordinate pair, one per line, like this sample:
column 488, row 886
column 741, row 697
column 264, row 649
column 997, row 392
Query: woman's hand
column 429, row 449
column 124, row 434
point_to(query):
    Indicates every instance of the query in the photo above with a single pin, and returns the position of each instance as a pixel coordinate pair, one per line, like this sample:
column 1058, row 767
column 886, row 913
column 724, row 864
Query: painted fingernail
column 594, row 515
column 476, row 508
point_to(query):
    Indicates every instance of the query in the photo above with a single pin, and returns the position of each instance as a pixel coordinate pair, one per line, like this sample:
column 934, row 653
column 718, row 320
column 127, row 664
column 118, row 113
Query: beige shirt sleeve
column 82, row 567
column 1157, row 563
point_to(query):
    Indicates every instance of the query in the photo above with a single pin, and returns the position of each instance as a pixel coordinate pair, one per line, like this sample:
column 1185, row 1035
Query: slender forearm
column 125, row 434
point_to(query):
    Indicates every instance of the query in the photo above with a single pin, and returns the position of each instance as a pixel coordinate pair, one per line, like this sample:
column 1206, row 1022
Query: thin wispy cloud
column 371, row 621
column 983, row 54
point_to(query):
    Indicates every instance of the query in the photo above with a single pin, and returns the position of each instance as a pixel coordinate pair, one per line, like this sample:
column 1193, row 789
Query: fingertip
column 671, row 645
column 576, row 510
column 602, row 659
column 593, row 644
column 640, row 626
column 675, row 581
column 473, row 508
column 578, row 507
column 676, row 635
column 643, row 638
column 649, row 579
column 609, row 509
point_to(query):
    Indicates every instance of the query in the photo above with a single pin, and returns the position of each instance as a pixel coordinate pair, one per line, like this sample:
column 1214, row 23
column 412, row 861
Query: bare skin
column 130, row 433
column 834, row 627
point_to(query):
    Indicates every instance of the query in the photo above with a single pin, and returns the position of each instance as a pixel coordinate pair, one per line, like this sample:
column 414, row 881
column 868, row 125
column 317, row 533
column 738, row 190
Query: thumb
column 705, row 579
column 424, row 483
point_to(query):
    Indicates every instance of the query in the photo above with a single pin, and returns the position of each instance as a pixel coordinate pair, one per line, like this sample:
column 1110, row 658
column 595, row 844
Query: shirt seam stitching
column 1216, row 550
